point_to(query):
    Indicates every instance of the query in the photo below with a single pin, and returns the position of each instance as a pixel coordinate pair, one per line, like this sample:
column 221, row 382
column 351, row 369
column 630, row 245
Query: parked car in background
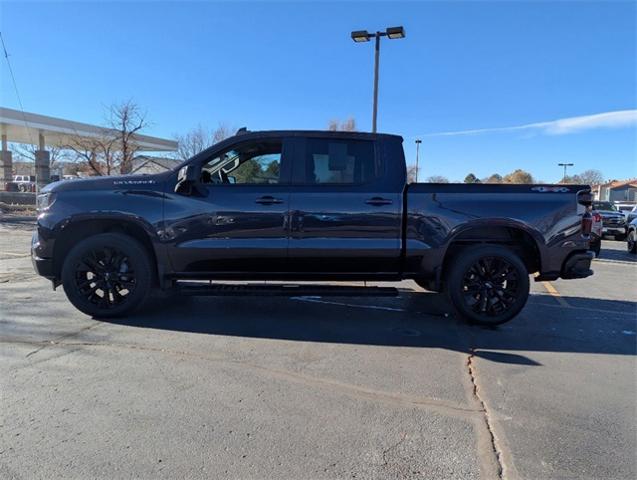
column 631, row 241
column 21, row 183
column 614, row 221
column 631, row 215
column 625, row 208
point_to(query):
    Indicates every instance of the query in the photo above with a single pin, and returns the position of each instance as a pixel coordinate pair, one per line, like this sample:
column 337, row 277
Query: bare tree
column 222, row 132
column 27, row 152
column 126, row 119
column 192, row 142
column 114, row 147
column 200, row 138
column 98, row 152
column 437, row 179
column 587, row 177
column 348, row 125
column 411, row 173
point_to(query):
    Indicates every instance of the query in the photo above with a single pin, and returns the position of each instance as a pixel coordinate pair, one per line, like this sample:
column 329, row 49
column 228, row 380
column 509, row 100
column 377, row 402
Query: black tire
column 107, row 275
column 631, row 243
column 487, row 285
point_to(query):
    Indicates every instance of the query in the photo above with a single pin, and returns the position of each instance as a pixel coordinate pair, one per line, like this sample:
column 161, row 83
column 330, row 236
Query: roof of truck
column 313, row 133
column 243, row 134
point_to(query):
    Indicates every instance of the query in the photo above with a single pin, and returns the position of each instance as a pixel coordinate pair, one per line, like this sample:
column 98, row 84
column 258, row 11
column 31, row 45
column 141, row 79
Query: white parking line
column 352, row 305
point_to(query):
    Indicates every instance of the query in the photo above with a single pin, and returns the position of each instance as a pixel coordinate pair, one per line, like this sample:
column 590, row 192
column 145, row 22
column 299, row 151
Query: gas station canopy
column 35, row 129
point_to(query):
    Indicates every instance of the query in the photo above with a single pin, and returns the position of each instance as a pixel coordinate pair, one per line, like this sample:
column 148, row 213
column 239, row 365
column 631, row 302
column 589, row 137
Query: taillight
column 597, row 218
column 587, row 223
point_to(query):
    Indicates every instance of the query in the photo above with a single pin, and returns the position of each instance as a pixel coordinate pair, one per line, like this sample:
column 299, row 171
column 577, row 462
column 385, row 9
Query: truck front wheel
column 487, row 285
column 107, row 275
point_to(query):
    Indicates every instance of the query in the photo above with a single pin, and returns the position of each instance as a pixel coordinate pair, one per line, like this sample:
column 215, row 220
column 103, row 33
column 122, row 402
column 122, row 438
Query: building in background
column 616, row 191
column 147, row 165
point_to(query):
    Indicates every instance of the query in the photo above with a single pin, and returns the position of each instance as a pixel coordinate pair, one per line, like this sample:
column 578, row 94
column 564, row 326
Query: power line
column 15, row 86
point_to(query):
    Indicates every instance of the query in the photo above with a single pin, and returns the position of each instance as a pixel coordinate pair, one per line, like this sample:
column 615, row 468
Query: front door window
column 253, row 163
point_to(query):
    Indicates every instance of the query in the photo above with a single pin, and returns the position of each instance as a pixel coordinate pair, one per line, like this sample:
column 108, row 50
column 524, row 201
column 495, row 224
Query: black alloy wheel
column 104, row 277
column 107, row 275
column 488, row 285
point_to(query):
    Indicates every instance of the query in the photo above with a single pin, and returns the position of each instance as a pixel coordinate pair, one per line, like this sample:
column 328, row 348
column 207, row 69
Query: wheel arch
column 523, row 240
column 78, row 229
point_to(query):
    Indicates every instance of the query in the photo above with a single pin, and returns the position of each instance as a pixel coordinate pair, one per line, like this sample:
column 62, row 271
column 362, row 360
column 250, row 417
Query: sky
column 487, row 86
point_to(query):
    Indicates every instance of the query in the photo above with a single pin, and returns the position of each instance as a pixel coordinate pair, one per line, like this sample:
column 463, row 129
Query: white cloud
column 562, row 126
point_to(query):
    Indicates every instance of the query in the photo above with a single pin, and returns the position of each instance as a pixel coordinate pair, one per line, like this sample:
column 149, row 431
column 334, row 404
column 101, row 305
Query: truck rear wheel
column 487, row 285
column 107, row 275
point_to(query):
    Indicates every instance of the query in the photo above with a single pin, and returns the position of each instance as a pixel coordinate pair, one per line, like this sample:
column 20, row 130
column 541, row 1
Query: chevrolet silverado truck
column 307, row 206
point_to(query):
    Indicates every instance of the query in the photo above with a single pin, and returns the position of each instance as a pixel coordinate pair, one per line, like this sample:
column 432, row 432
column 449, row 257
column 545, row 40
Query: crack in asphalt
column 56, row 341
column 495, row 448
column 390, row 448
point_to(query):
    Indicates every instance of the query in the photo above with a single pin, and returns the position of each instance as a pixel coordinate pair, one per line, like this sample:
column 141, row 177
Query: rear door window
column 333, row 161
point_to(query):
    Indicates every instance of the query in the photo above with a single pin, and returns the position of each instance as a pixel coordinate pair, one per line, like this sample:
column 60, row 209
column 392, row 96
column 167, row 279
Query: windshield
column 604, row 206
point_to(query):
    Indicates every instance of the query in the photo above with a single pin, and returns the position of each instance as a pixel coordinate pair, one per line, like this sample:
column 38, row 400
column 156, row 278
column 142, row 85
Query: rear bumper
column 578, row 265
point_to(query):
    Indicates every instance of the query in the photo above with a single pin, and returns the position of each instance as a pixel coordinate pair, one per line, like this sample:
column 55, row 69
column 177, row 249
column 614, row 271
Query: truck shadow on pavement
column 617, row 255
column 416, row 320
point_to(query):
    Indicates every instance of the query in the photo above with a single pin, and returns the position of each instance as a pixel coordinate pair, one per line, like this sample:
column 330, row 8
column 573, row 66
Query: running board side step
column 282, row 290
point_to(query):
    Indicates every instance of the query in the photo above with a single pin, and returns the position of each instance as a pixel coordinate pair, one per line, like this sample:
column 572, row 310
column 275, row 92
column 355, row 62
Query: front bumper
column 614, row 230
column 578, row 265
column 42, row 266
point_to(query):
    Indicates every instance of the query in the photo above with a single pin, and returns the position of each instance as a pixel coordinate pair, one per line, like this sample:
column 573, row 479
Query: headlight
column 44, row 200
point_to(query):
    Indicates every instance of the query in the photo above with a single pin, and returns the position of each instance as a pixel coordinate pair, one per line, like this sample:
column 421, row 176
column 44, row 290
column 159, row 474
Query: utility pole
column 360, row 36
column 376, row 60
column 565, row 165
column 418, row 142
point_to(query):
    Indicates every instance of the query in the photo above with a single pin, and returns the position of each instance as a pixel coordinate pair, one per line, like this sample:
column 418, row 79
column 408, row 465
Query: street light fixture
column 395, row 32
column 565, row 165
column 360, row 36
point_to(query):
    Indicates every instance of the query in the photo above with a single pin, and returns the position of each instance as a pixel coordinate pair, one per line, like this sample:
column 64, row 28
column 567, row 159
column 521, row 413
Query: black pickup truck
column 307, row 205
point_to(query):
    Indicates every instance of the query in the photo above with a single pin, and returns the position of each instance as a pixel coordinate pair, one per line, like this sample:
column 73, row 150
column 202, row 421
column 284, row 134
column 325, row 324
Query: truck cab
column 291, row 202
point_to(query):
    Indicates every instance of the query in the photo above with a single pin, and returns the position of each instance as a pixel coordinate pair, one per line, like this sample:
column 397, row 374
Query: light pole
column 565, row 165
column 418, row 142
column 360, row 36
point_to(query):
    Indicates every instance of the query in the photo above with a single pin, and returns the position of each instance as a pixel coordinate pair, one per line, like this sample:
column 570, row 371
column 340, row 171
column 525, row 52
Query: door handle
column 268, row 200
column 378, row 201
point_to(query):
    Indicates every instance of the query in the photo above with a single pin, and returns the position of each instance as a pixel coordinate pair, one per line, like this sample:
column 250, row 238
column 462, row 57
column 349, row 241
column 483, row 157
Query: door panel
column 233, row 231
column 336, row 231
column 341, row 219
column 239, row 220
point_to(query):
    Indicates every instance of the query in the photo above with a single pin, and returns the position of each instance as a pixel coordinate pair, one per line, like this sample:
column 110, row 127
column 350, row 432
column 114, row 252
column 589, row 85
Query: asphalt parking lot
column 318, row 387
